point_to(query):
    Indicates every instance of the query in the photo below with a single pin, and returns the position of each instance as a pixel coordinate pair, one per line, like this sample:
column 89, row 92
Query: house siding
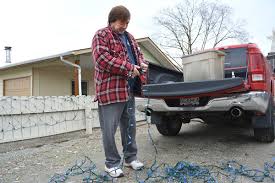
column 148, row 56
column 52, row 81
column 36, row 88
column 1, row 88
column 56, row 81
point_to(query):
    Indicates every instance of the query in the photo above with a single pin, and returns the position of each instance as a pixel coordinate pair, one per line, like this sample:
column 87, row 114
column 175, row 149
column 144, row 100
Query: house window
column 84, row 88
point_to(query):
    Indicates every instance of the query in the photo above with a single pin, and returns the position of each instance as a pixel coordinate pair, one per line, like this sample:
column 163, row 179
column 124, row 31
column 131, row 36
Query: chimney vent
column 8, row 54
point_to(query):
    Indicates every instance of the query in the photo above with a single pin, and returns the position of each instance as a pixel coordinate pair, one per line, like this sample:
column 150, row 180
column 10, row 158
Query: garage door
column 17, row 87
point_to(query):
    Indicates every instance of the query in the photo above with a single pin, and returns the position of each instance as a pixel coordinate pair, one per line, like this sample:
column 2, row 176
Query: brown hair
column 118, row 13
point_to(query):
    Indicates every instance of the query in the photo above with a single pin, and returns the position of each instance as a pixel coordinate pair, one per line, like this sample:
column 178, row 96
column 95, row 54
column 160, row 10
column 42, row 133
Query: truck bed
column 165, row 83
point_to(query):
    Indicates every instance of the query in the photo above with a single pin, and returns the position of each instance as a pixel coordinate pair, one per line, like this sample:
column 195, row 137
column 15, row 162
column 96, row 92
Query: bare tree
column 196, row 25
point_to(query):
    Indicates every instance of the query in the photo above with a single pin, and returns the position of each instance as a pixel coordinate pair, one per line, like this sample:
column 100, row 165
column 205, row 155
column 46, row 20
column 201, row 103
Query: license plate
column 189, row 101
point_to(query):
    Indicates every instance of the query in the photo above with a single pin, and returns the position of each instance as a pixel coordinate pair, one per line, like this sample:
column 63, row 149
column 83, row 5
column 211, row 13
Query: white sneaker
column 136, row 165
column 114, row 172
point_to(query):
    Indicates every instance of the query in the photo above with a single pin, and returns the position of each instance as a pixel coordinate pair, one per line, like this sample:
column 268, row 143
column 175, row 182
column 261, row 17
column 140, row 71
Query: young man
column 118, row 62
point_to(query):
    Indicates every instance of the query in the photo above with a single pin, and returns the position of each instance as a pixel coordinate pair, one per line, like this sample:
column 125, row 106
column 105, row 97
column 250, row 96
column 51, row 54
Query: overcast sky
column 38, row 28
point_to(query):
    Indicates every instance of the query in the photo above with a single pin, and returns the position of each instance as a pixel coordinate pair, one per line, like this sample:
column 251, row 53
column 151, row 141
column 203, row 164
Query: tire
column 266, row 134
column 169, row 126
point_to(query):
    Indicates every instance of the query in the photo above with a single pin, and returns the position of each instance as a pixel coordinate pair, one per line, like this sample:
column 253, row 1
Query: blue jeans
column 110, row 116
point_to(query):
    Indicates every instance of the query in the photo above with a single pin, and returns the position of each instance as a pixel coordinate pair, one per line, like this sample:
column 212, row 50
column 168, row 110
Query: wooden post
column 76, row 84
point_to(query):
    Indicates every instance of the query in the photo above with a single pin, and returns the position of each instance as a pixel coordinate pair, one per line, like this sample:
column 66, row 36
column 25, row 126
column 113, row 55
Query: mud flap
column 264, row 121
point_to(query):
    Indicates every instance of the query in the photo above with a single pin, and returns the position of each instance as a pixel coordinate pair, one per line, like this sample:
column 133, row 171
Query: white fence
column 31, row 117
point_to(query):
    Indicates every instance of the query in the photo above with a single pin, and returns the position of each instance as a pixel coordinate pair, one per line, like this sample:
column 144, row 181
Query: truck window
column 235, row 58
column 235, row 63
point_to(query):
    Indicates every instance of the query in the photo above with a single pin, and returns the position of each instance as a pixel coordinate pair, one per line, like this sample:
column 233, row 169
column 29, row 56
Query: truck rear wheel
column 169, row 126
column 266, row 134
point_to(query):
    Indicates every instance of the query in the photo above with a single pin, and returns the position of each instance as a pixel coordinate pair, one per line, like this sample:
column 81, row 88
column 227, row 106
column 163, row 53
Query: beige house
column 49, row 76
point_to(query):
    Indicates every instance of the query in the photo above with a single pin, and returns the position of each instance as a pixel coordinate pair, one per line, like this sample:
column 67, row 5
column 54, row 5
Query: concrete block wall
column 31, row 117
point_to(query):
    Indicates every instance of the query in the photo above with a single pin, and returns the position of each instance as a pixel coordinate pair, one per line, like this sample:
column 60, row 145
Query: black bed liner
column 179, row 89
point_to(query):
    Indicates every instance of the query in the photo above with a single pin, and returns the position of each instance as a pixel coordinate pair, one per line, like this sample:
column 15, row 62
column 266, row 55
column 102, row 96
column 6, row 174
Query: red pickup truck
column 245, row 94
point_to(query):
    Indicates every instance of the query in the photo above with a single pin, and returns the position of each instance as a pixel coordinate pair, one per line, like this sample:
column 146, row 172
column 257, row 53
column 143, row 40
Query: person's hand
column 136, row 72
column 144, row 67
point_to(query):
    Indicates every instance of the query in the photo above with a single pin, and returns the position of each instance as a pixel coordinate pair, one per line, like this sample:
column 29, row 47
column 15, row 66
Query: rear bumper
column 252, row 101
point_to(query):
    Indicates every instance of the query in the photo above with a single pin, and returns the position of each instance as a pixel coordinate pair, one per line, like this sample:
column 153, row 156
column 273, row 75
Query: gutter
column 79, row 72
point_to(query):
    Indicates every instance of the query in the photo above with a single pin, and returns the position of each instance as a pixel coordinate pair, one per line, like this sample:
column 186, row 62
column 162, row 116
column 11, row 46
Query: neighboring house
column 48, row 76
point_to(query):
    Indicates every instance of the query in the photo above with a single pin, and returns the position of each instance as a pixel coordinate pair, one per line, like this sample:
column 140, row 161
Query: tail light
column 257, row 72
column 257, row 68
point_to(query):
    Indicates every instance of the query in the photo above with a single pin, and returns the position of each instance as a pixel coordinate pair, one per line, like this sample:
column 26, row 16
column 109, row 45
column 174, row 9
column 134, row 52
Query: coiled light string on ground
column 235, row 169
column 183, row 172
column 85, row 167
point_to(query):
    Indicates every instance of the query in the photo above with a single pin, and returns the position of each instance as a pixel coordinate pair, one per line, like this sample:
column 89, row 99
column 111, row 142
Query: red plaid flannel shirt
column 112, row 66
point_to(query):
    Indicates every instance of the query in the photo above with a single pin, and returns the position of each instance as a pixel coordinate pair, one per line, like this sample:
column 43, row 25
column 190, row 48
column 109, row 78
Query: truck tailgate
column 193, row 89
